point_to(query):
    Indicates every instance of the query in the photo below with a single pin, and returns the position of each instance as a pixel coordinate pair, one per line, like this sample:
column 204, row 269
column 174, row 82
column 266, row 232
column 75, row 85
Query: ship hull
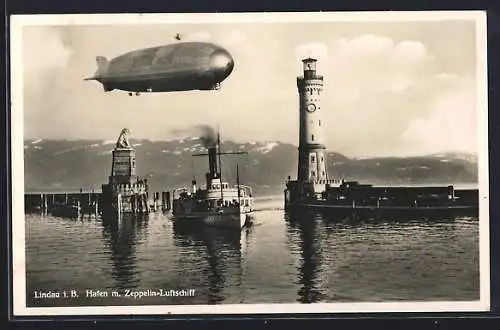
column 67, row 211
column 236, row 220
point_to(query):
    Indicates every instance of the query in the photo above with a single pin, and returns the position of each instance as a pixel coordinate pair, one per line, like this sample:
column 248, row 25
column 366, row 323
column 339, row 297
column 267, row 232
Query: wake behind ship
column 217, row 204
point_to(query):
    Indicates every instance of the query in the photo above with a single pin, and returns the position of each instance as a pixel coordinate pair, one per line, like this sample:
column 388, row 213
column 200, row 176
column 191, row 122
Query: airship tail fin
column 102, row 68
column 102, row 64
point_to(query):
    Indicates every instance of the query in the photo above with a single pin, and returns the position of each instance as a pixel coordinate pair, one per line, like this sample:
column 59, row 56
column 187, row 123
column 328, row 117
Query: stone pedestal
column 125, row 192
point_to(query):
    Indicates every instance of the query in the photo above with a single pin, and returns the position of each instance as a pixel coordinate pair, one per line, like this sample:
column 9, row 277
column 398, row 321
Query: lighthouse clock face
column 311, row 107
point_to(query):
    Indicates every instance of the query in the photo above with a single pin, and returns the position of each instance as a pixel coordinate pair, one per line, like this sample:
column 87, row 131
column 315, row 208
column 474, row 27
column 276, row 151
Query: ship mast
column 213, row 168
column 220, row 168
column 238, row 183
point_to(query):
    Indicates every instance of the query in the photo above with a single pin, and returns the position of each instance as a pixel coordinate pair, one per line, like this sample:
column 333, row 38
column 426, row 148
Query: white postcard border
column 17, row 149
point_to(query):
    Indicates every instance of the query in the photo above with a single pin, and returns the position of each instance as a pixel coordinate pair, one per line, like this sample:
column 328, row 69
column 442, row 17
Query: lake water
column 279, row 259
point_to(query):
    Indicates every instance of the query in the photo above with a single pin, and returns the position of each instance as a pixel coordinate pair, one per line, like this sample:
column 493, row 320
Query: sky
column 390, row 88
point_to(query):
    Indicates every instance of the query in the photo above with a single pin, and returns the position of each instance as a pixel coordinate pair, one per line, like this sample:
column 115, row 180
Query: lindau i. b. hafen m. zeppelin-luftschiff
column 217, row 204
column 313, row 189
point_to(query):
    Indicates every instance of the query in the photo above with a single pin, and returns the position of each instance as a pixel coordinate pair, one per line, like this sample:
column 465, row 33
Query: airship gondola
column 175, row 67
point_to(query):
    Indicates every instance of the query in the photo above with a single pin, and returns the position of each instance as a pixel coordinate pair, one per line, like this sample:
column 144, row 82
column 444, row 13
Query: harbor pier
column 80, row 203
column 125, row 192
column 313, row 189
column 166, row 202
column 69, row 204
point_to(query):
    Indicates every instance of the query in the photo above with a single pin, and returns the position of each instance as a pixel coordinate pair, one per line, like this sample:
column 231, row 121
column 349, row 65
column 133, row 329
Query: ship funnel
column 212, row 161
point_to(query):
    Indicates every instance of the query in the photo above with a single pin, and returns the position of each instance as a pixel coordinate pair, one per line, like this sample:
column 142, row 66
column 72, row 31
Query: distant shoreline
column 456, row 185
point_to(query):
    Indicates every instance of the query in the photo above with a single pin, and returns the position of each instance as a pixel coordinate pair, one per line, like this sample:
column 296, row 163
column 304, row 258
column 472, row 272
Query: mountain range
column 59, row 165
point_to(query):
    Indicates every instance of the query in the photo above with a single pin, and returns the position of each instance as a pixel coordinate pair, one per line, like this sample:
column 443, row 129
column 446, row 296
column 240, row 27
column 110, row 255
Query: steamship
column 217, row 204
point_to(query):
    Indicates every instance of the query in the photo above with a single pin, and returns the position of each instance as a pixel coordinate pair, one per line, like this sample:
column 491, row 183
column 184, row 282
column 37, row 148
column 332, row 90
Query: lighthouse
column 312, row 161
column 313, row 189
column 312, row 181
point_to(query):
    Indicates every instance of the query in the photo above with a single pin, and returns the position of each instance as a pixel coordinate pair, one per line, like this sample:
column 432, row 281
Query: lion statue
column 123, row 140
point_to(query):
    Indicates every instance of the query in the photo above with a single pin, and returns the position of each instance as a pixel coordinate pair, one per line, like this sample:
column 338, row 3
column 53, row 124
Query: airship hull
column 164, row 82
column 176, row 67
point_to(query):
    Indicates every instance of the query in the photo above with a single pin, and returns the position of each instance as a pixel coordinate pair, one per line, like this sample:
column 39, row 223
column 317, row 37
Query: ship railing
column 246, row 189
column 126, row 188
column 324, row 181
column 327, row 181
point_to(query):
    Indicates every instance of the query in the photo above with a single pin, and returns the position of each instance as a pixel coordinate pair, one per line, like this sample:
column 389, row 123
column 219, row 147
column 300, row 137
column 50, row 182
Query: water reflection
column 222, row 251
column 307, row 257
column 306, row 227
column 122, row 236
column 323, row 240
column 364, row 216
column 360, row 217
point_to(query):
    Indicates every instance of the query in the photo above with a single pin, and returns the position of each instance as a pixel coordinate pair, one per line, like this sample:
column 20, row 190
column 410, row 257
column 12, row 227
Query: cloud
column 370, row 63
column 390, row 92
column 411, row 51
column 197, row 36
column 44, row 52
column 316, row 50
column 367, row 45
column 46, row 58
column 234, row 37
column 51, row 52
column 372, row 46
column 377, row 88
column 447, row 77
column 449, row 126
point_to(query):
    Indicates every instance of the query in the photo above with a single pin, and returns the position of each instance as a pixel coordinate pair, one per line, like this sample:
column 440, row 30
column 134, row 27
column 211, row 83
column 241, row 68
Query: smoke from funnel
column 205, row 133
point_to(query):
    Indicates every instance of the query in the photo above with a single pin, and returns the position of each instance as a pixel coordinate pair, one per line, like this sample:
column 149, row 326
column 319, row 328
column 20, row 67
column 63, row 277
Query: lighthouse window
column 319, row 123
column 322, row 159
column 313, row 173
column 312, row 137
column 313, row 158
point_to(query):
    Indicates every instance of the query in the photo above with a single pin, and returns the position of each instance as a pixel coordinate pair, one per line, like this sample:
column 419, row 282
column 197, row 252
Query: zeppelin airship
column 182, row 66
